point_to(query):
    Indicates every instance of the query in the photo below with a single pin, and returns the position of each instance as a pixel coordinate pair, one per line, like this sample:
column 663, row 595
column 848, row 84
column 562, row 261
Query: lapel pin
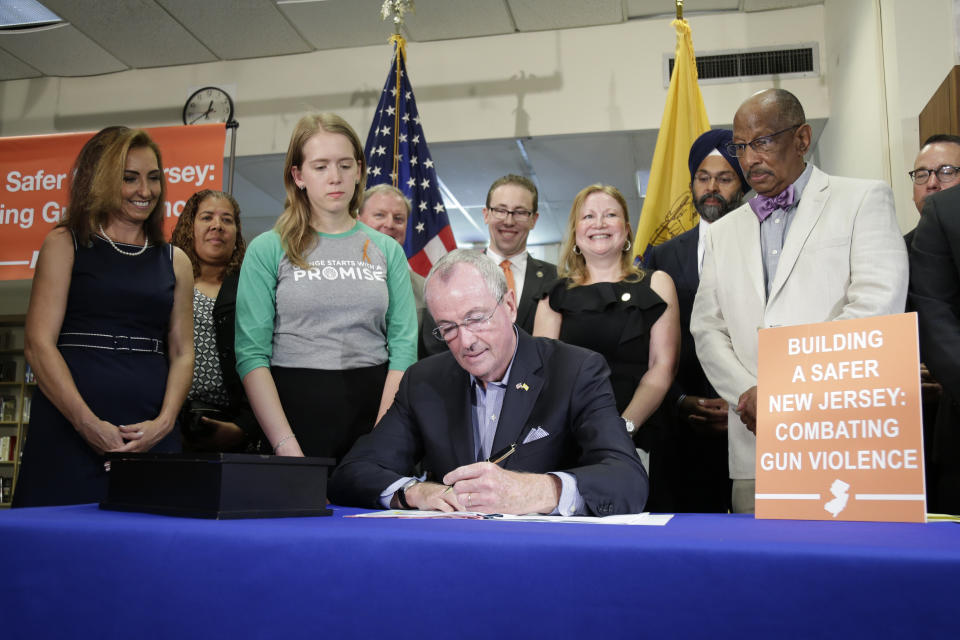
column 625, row 297
column 522, row 386
column 539, row 274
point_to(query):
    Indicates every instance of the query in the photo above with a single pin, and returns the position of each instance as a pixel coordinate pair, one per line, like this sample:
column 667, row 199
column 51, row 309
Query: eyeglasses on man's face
column 474, row 322
column 519, row 215
column 724, row 179
column 946, row 174
column 763, row 144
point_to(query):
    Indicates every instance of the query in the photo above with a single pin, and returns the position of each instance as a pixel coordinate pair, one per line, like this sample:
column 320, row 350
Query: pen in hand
column 503, row 454
column 496, row 458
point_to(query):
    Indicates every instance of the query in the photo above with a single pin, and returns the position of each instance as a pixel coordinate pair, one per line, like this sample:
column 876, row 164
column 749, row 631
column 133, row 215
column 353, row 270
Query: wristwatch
column 631, row 428
column 402, row 493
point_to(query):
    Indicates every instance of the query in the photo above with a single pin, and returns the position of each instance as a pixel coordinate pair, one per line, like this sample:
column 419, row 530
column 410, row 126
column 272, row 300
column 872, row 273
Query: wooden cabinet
column 17, row 386
column 942, row 113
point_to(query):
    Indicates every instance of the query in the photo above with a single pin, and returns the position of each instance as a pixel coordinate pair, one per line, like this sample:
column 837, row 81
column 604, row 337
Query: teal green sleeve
column 256, row 303
column 401, row 310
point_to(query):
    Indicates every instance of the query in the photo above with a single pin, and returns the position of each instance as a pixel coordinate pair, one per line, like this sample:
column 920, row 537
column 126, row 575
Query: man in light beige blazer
column 809, row 248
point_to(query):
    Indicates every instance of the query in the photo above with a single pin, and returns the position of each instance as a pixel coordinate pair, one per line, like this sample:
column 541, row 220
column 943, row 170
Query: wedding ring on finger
column 469, row 500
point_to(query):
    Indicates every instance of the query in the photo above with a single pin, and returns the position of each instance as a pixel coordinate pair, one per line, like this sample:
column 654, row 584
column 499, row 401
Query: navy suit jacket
column 935, row 295
column 678, row 258
column 563, row 389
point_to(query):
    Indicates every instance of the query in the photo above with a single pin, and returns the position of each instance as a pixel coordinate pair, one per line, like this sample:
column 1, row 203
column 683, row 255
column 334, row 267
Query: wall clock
column 208, row 105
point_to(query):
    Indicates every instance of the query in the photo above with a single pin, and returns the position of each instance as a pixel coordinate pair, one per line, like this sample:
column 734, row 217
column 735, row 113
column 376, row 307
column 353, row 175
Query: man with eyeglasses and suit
column 935, row 168
column 934, row 287
column 808, row 248
column 501, row 422
column 510, row 215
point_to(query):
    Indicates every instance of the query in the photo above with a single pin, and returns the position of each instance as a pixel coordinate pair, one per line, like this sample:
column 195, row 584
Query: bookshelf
column 16, row 395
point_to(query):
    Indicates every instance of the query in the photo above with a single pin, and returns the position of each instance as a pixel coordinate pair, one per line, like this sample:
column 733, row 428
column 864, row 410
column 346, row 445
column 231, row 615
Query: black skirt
column 329, row 410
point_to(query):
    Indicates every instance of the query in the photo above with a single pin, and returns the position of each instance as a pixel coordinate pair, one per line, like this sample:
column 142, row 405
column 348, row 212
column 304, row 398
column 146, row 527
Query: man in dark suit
column 934, row 169
column 496, row 387
column 694, row 449
column 935, row 295
column 510, row 214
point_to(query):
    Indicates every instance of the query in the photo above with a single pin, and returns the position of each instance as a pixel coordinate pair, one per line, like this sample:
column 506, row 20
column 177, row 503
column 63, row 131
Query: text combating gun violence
column 868, row 429
column 838, row 421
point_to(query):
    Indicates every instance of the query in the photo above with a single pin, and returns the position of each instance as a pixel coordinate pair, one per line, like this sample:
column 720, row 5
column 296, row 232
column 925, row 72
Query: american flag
column 397, row 154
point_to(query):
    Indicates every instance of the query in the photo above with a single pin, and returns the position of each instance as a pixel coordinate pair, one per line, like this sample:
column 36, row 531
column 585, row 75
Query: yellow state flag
column 668, row 208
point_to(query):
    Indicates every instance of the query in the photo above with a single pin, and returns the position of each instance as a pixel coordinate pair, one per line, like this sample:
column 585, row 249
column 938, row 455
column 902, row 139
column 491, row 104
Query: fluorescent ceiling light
column 23, row 14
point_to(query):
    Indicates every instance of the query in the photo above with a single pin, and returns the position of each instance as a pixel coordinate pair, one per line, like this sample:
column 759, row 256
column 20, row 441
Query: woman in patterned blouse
column 217, row 416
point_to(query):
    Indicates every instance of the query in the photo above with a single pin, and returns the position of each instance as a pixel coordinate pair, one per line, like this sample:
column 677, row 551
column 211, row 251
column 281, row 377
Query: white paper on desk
column 413, row 513
column 648, row 519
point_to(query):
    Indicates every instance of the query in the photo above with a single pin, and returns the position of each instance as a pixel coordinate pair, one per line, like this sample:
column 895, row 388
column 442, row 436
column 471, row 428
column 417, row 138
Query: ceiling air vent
column 802, row 61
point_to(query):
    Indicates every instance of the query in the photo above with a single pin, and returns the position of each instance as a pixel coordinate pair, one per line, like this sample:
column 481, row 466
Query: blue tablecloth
column 79, row 571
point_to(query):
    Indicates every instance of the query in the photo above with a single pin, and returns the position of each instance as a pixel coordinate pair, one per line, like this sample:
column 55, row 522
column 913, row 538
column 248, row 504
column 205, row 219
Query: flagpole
column 399, row 50
column 667, row 206
column 396, row 10
column 397, row 128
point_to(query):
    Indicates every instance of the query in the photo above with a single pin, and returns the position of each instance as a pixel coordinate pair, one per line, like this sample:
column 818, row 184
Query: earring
column 576, row 249
column 303, row 187
column 627, row 245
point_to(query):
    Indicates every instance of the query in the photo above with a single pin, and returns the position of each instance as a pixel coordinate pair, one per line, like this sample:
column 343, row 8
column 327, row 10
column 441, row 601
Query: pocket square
column 534, row 435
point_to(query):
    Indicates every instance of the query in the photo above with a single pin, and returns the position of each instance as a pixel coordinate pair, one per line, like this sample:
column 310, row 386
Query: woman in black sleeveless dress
column 604, row 303
column 109, row 327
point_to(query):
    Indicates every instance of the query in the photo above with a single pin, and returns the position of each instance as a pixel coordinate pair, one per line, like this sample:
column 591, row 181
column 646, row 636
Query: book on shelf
column 8, row 370
column 7, row 448
column 28, row 376
column 6, row 489
column 25, row 414
column 8, row 408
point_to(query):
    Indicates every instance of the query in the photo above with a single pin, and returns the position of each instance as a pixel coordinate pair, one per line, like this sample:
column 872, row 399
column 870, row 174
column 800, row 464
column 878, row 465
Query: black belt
column 112, row 343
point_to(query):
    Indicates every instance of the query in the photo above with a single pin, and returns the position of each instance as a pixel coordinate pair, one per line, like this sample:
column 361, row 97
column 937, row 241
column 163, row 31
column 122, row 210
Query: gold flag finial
column 679, row 9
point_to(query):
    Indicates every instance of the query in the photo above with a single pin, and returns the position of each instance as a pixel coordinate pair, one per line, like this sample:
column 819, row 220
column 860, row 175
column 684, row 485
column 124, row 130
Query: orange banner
column 35, row 177
column 839, row 430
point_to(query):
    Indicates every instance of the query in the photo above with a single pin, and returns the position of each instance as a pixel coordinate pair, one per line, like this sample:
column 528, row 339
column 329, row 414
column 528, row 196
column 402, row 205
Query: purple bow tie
column 763, row 206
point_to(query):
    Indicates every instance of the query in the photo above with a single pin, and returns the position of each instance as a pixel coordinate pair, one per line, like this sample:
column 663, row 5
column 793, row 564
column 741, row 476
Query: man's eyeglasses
column 724, row 179
column 520, row 215
column 763, row 144
column 946, row 174
column 447, row 331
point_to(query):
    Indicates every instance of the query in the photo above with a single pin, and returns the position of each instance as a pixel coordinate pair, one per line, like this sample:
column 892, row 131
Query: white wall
column 854, row 140
column 885, row 58
column 919, row 51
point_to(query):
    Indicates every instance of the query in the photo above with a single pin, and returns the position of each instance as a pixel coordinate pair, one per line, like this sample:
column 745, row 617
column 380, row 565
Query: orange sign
column 35, row 177
column 839, row 432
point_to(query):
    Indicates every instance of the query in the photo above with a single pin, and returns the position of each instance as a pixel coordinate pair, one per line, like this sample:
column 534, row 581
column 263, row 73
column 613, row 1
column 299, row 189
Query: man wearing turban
column 695, row 445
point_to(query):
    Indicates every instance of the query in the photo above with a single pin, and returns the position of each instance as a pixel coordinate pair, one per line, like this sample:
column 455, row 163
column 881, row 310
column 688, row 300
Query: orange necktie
column 505, row 265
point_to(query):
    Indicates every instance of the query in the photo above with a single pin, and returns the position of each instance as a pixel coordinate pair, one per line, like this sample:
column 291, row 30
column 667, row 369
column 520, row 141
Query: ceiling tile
column 542, row 15
column 449, row 19
column 329, row 24
column 13, row 69
column 140, row 34
column 767, row 5
column 234, row 30
column 59, row 50
column 650, row 8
